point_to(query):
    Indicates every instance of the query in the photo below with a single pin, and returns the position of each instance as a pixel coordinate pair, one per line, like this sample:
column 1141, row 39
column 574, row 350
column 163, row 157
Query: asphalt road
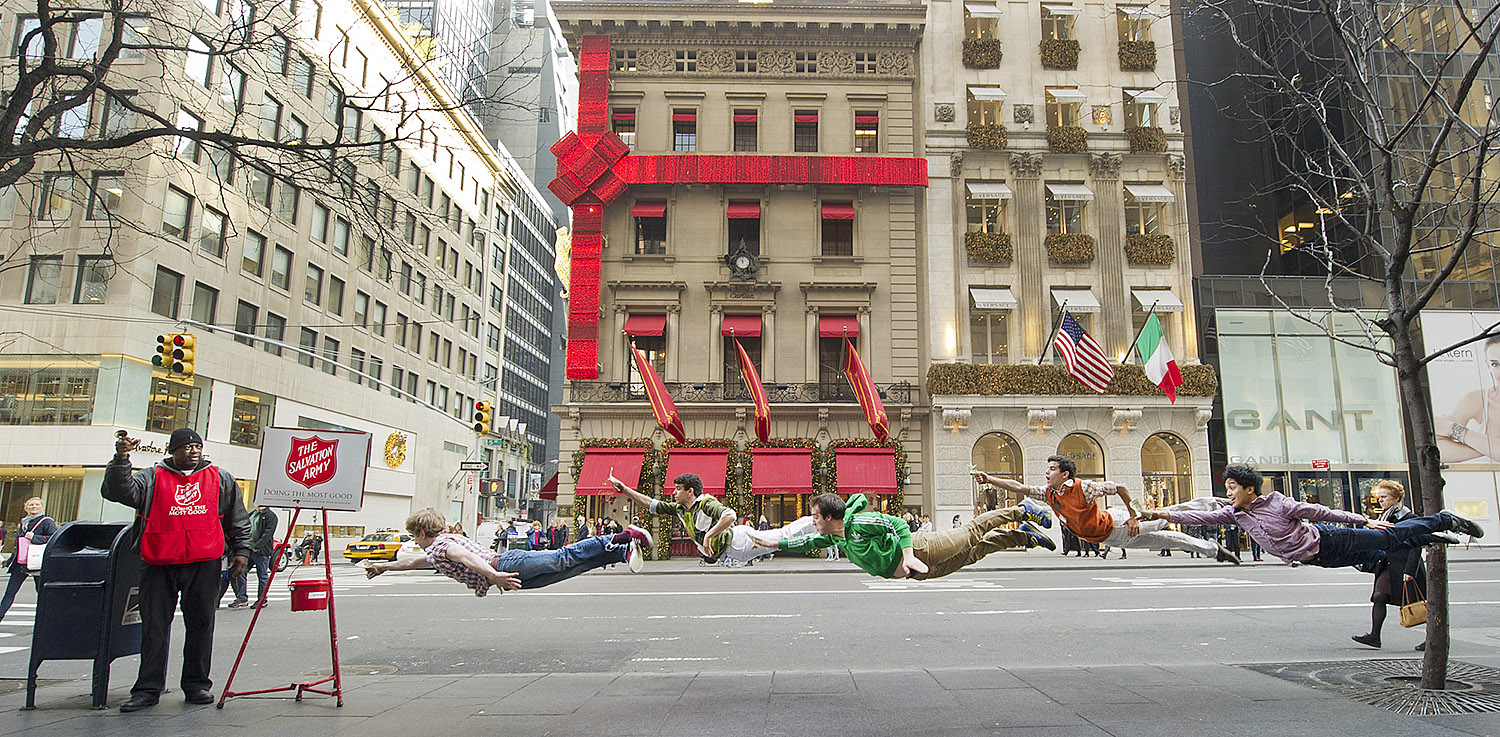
column 419, row 623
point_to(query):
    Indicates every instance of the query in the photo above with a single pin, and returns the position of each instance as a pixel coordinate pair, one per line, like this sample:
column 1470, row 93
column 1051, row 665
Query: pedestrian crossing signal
column 482, row 417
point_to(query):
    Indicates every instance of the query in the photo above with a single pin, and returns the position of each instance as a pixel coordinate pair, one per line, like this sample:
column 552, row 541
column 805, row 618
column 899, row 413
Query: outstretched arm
column 1006, row 484
column 637, row 496
column 408, row 564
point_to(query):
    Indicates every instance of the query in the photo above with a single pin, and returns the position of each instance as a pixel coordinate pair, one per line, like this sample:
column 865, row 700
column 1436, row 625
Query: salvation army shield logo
column 312, row 461
column 189, row 494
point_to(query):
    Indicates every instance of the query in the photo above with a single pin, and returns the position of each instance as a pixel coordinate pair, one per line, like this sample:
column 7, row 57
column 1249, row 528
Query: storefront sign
column 315, row 469
column 1465, row 386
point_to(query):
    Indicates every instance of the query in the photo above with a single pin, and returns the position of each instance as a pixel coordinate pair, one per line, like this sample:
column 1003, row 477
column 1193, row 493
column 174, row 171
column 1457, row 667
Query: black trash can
column 89, row 604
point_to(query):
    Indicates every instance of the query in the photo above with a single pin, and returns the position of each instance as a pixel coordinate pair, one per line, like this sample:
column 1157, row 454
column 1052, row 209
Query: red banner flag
column 661, row 403
column 757, row 393
column 864, row 390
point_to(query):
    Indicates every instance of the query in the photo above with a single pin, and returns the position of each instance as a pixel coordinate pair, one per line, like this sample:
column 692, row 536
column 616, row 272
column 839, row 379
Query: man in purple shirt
column 1281, row 526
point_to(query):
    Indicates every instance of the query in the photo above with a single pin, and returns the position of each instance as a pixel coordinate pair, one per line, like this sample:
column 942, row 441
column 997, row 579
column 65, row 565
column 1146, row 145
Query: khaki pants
column 948, row 551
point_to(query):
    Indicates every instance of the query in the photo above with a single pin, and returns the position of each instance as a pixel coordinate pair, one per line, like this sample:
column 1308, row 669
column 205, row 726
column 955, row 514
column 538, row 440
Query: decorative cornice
column 1106, row 165
column 1026, row 164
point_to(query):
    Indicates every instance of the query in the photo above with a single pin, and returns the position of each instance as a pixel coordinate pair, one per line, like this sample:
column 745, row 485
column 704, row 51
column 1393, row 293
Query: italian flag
column 1157, row 359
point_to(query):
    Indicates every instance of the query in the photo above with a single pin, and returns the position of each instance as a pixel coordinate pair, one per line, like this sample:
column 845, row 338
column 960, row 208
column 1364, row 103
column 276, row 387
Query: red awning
column 742, row 326
column 781, row 471
column 684, row 116
column 649, row 209
column 805, row 118
column 711, row 465
column 643, row 325
column 838, row 210
column 744, row 117
column 597, row 463
column 866, row 120
column 836, row 326
column 744, row 209
column 549, row 489
column 623, row 115
column 866, row 470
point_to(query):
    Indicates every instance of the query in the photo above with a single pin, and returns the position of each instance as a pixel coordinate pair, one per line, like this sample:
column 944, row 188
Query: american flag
column 1085, row 359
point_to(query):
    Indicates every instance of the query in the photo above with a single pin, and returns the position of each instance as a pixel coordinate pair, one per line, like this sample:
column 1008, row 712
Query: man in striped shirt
column 885, row 546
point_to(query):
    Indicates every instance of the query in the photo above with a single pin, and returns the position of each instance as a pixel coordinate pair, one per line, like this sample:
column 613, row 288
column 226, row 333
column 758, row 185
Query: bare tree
column 1378, row 116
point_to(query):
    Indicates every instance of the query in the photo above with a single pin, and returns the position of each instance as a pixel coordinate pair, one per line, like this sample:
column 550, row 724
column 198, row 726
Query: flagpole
column 1137, row 337
column 1062, row 309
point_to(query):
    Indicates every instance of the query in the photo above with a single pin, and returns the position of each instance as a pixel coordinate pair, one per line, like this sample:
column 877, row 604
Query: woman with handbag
column 1400, row 579
column 34, row 531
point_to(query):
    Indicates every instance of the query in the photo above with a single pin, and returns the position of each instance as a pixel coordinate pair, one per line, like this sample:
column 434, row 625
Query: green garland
column 1146, row 139
column 985, row 135
column 1060, row 53
column 982, row 53
column 1069, row 248
column 832, row 475
column 1150, row 250
column 1067, row 139
column 1137, row 56
column 1198, row 380
column 989, row 247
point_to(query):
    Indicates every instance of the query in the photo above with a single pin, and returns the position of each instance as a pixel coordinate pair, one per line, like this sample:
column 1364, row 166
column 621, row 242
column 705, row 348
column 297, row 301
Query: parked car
column 378, row 545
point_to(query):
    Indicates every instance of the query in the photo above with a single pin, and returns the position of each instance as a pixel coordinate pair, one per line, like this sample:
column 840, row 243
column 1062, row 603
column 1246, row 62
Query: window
column 330, row 352
column 986, row 206
column 205, row 303
column 1086, row 453
column 831, row 382
column 989, row 336
column 746, row 61
column 172, row 403
column 286, row 201
column 254, row 257
column 864, row 62
column 7, row 202
column 687, row 61
column 1065, row 209
column 319, row 230
column 838, row 229
column 176, row 212
column 650, row 227
column 245, row 315
column 260, row 187
column 1057, row 21
column 308, row 342
column 1142, row 216
column 341, row 236
column 252, row 413
column 105, row 193
column 1063, row 105
column 220, row 163
column 302, row 74
column 212, row 232
column 805, row 62
column 866, row 131
column 398, row 375
column 361, row 308
column 57, row 197
column 984, row 105
column 1141, row 107
column 655, row 349
column 367, row 253
column 72, row 122
column 166, row 292
column 118, row 117
column 232, row 87
column 353, row 117
column 1134, row 23
column 734, row 379
column 198, row 65
column 43, row 280
column 624, row 60
column 333, row 103
column 981, row 21
column 270, row 118
column 999, row 455
column 746, row 135
column 276, row 54
column 312, row 291
column 744, row 226
column 377, row 367
column 401, row 325
column 805, row 131
column 187, row 146
column 93, row 279
column 335, row 295
column 86, row 35
column 419, row 287
column 281, row 268
column 684, row 129
column 356, row 365
column 296, row 130
column 377, row 318
column 275, row 330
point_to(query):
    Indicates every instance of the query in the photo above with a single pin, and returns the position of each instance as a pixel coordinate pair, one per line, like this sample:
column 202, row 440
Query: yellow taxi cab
column 378, row 545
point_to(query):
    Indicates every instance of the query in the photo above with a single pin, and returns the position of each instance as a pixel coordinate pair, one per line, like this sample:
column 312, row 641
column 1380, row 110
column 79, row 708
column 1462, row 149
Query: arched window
column 997, row 454
column 1086, row 453
column 1166, row 471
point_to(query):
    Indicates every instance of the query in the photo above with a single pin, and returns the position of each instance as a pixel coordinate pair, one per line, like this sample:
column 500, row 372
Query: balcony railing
column 809, row 393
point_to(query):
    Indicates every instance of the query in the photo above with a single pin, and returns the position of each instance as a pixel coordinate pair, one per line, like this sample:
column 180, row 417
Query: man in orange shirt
column 1075, row 502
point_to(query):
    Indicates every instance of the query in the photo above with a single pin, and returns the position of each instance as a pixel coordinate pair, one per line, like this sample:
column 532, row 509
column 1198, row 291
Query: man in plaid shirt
column 464, row 561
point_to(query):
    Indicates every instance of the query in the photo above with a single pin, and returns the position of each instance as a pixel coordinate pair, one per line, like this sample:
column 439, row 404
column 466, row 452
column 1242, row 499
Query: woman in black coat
column 36, row 527
column 1400, row 572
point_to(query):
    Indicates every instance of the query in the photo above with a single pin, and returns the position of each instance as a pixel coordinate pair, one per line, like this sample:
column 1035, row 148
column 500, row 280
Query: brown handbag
column 1413, row 613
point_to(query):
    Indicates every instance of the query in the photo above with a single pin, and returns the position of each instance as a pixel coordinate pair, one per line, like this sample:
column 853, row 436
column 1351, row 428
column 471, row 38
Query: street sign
column 1320, row 464
column 472, row 466
column 494, row 442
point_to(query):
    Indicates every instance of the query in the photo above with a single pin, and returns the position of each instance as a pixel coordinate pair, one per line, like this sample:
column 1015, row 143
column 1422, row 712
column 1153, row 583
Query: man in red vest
column 188, row 513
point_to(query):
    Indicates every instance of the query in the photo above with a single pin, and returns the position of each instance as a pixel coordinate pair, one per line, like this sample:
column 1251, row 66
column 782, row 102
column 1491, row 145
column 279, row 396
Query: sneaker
column 1227, row 555
column 238, row 604
column 633, row 558
column 1421, row 648
column 1448, row 538
column 1035, row 511
column 1465, row 526
column 1372, row 640
column 1035, row 538
column 640, row 535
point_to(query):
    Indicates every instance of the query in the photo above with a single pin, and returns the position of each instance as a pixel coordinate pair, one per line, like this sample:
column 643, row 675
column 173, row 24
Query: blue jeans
column 538, row 568
column 262, row 566
column 1343, row 546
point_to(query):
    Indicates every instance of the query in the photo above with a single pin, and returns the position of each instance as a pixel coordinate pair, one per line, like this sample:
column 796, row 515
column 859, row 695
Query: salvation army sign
column 317, row 469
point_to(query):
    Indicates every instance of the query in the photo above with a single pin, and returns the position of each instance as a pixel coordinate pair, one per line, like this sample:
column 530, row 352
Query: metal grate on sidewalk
column 1393, row 685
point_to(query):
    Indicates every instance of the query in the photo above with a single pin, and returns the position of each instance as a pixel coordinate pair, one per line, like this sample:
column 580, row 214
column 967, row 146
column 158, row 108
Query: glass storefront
column 1166, row 471
column 997, row 454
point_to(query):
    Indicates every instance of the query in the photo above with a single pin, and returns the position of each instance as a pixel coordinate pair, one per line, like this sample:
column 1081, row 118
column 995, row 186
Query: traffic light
column 184, row 346
column 482, row 417
column 163, row 357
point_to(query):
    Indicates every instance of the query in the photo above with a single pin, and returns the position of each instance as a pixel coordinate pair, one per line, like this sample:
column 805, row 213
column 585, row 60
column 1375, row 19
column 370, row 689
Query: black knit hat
column 182, row 436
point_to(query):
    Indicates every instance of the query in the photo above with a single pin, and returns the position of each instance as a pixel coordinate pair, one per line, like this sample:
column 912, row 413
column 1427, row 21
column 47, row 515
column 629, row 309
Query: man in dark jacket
column 262, row 544
column 188, row 512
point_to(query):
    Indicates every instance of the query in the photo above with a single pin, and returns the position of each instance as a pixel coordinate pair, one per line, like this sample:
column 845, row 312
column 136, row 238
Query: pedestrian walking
column 36, row 528
column 188, row 513
column 263, row 523
column 1400, row 578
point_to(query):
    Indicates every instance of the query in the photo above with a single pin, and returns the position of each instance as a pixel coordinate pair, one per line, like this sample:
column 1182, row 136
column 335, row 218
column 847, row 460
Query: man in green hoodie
column 885, row 546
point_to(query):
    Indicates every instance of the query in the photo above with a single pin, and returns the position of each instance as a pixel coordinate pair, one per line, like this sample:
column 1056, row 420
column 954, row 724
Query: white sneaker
column 634, row 558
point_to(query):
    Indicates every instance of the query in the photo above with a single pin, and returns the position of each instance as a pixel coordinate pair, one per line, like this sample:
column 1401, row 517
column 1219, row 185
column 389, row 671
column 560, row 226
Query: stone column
column 1186, row 334
column 1031, row 257
column 768, row 344
column 810, row 347
column 716, row 345
column 1109, row 212
column 674, row 314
